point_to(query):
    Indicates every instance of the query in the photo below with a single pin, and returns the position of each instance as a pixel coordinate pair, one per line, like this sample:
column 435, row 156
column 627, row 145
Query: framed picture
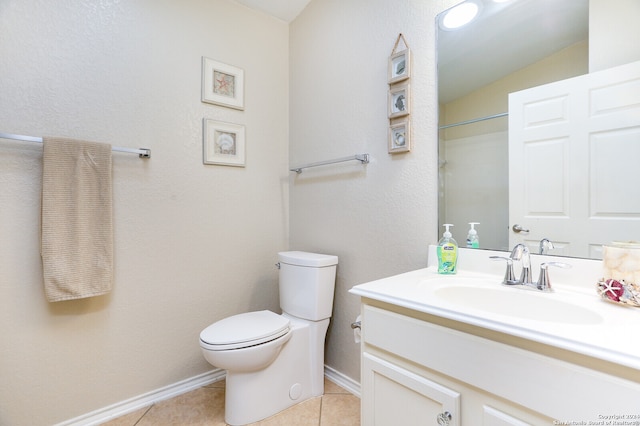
column 222, row 84
column 400, row 136
column 399, row 66
column 399, row 101
column 223, row 143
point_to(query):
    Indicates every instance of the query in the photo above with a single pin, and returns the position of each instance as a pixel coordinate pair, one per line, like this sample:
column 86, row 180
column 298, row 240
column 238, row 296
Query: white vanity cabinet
column 393, row 395
column 422, row 369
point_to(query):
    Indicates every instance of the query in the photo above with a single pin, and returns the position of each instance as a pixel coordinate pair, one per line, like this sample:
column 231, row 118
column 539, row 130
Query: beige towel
column 77, row 227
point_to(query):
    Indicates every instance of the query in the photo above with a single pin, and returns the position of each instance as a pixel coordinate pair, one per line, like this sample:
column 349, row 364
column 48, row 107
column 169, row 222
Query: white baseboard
column 341, row 380
column 130, row 405
column 111, row 412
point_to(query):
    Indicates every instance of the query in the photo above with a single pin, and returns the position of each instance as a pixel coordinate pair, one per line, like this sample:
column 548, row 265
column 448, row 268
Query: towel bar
column 363, row 158
column 142, row 152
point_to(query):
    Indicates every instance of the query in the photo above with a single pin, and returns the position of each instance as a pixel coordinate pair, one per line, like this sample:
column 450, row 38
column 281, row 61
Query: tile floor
column 205, row 406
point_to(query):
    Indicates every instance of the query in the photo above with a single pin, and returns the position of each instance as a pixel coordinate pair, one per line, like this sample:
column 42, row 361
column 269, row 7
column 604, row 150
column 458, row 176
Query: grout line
column 145, row 413
column 342, row 380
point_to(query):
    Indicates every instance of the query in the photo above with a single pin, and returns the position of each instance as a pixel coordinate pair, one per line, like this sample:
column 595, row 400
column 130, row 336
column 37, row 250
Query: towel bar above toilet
column 363, row 158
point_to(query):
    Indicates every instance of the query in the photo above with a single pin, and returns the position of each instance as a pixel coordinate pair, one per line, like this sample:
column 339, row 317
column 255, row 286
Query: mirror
column 511, row 45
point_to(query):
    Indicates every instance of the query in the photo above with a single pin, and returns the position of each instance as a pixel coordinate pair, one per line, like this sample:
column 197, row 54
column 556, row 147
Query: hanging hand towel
column 77, row 226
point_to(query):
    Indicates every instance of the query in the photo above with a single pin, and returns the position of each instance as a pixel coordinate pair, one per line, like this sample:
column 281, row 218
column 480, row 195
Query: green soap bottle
column 472, row 236
column 447, row 252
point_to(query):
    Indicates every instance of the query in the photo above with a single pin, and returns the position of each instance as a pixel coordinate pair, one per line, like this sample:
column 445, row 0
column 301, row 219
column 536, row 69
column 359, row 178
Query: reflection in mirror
column 509, row 46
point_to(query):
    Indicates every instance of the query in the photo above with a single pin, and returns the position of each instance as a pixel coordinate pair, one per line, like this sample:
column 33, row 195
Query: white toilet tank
column 307, row 284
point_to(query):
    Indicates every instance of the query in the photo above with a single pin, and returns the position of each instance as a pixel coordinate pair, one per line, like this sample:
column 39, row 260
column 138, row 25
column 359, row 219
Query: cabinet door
column 394, row 396
column 493, row 417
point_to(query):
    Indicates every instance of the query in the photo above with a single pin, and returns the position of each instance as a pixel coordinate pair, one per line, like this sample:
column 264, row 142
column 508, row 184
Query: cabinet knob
column 444, row 418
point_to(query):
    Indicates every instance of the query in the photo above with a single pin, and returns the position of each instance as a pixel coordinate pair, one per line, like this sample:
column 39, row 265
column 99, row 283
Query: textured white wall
column 613, row 33
column 193, row 243
column 197, row 243
column 378, row 218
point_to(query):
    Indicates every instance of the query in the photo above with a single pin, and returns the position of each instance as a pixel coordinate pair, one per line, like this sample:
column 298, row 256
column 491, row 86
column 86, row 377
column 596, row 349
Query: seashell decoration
column 619, row 291
column 621, row 269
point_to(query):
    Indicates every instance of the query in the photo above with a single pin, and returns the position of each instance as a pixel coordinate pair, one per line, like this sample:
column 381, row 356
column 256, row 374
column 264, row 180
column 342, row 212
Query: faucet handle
column 509, row 275
column 545, row 245
column 544, row 284
column 521, row 253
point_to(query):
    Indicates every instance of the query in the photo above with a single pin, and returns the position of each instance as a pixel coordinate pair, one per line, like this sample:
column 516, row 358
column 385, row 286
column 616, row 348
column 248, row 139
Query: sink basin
column 518, row 303
column 459, row 280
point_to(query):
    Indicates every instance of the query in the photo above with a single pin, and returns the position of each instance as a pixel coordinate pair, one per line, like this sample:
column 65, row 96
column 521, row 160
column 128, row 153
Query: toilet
column 274, row 361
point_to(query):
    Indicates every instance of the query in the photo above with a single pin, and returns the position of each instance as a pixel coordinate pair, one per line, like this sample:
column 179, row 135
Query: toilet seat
column 244, row 330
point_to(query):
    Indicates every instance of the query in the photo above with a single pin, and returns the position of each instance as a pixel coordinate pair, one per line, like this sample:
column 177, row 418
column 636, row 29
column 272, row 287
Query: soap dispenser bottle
column 472, row 236
column 447, row 252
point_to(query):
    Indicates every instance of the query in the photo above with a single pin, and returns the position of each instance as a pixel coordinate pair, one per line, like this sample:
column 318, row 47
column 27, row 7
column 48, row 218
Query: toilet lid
column 242, row 330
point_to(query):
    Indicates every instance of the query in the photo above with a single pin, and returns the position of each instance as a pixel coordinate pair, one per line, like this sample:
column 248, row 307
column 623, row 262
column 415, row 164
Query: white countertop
column 609, row 332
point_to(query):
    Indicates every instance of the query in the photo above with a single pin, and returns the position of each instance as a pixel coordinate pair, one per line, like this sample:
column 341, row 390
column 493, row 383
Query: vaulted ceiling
column 286, row 10
column 506, row 37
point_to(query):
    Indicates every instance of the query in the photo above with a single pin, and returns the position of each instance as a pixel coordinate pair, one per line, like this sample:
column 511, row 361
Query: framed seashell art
column 399, row 100
column 223, row 143
column 400, row 135
column 222, row 84
column 399, row 62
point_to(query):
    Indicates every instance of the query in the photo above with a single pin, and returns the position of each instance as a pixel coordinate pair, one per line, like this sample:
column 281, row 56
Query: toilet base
column 295, row 376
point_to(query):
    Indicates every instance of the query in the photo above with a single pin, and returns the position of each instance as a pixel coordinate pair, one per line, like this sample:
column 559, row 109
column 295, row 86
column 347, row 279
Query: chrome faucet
column 521, row 253
column 545, row 246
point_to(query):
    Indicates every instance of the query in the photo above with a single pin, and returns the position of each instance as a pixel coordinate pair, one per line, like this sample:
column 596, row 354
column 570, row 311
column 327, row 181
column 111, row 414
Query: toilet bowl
column 245, row 342
column 274, row 361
